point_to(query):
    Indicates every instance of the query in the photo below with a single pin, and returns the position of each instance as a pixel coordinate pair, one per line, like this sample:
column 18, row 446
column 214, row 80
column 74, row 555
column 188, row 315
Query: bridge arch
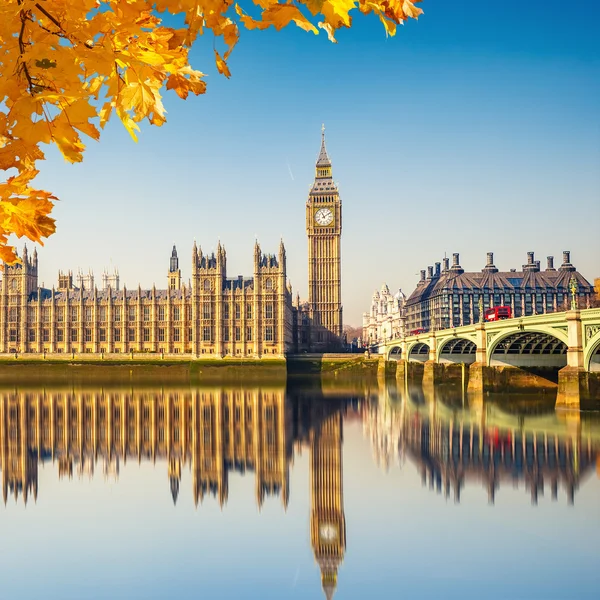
column 394, row 353
column 418, row 352
column 591, row 357
column 529, row 348
column 456, row 350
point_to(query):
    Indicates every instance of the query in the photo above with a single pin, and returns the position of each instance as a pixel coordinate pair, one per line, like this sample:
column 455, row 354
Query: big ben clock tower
column 324, row 230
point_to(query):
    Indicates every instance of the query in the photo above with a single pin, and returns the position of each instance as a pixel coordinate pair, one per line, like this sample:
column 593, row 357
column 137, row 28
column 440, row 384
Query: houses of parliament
column 212, row 317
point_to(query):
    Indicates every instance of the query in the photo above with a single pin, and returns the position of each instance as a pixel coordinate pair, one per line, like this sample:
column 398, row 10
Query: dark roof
column 503, row 282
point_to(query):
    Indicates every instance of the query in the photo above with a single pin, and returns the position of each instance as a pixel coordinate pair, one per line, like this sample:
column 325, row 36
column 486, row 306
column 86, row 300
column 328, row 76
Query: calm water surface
column 296, row 493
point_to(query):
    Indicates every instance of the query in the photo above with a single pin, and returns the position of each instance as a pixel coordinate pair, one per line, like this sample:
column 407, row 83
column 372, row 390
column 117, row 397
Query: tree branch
column 22, row 44
column 47, row 14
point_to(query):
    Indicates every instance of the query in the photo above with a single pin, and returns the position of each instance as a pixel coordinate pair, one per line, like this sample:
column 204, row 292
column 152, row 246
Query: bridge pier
column 573, row 387
column 386, row 369
column 573, row 384
column 451, row 373
column 481, row 378
column 409, row 371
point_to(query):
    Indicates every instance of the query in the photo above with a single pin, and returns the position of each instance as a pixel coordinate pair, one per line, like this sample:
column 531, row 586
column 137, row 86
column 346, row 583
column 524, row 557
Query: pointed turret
column 174, row 262
column 194, row 257
column 257, row 255
column 174, row 276
column 323, row 159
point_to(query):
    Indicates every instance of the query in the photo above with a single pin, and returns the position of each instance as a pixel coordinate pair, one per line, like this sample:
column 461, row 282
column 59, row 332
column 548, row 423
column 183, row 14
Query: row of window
column 88, row 315
column 130, row 334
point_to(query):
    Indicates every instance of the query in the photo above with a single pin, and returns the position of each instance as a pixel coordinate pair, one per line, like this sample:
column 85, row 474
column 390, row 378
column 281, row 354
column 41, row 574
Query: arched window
column 207, row 285
column 269, row 284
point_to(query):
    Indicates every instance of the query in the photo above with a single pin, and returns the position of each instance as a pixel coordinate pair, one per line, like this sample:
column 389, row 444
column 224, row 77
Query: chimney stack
column 490, row 267
column 422, row 275
column 429, row 272
column 446, row 263
column 566, row 264
column 550, row 266
column 532, row 264
column 437, row 269
column 456, row 268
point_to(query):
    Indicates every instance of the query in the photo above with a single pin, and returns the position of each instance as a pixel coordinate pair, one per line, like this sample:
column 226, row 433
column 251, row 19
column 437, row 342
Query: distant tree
column 66, row 66
column 352, row 333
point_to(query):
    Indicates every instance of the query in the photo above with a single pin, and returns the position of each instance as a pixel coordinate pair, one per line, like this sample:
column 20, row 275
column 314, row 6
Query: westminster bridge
column 567, row 342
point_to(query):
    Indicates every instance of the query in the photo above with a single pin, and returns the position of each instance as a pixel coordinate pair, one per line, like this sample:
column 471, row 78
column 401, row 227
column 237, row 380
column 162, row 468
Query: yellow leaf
column 222, row 65
column 329, row 30
column 19, row 154
column 129, row 123
column 336, row 12
column 410, row 10
column 8, row 254
column 105, row 113
column 183, row 86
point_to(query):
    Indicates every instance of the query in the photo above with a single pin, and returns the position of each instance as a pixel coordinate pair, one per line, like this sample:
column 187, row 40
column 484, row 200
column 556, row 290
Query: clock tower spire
column 324, row 230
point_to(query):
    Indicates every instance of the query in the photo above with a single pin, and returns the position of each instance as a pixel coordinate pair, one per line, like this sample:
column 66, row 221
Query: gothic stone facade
column 213, row 317
column 449, row 297
column 318, row 322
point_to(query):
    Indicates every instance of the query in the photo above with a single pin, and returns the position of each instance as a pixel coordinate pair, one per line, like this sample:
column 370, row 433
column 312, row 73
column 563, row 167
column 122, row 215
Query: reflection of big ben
column 324, row 230
column 327, row 521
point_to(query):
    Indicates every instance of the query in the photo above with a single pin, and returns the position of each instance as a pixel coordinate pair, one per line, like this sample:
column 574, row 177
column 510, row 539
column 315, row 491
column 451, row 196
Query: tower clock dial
column 328, row 532
column 324, row 217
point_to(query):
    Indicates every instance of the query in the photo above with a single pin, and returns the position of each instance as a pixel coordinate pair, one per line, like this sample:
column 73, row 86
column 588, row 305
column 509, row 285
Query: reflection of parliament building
column 213, row 316
column 450, row 452
column 214, row 431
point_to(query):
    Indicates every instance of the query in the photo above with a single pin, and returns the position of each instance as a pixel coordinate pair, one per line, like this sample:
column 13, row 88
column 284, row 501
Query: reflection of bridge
column 567, row 340
column 451, row 448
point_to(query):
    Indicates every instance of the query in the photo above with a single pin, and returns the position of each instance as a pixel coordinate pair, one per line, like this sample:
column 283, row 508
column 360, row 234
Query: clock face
column 328, row 532
column 323, row 217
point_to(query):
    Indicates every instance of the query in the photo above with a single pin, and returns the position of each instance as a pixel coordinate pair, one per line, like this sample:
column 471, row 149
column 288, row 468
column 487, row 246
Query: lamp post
column 480, row 309
column 573, row 287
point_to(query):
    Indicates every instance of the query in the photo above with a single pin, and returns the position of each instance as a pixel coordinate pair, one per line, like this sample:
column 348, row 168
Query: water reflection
column 212, row 431
column 452, row 447
column 257, row 432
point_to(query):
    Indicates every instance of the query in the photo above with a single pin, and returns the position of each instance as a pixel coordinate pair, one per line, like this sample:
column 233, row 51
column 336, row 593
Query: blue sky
column 475, row 129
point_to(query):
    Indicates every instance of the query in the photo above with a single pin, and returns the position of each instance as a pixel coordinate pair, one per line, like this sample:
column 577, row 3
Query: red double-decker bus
column 497, row 312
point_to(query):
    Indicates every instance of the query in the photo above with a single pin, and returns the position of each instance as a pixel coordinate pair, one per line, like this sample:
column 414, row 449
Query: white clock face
column 328, row 532
column 323, row 217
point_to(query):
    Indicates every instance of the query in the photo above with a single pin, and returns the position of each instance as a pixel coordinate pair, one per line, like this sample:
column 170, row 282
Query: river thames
column 300, row 491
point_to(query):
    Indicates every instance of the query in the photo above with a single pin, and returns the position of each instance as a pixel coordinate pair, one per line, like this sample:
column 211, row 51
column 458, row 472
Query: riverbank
column 153, row 369
column 83, row 370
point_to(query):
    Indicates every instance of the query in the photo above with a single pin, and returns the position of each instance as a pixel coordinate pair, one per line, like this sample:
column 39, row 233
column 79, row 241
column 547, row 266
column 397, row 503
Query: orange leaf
column 222, row 65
